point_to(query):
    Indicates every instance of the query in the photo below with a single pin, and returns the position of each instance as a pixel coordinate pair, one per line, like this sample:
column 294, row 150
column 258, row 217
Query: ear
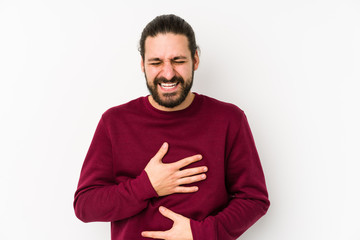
column 142, row 65
column 196, row 60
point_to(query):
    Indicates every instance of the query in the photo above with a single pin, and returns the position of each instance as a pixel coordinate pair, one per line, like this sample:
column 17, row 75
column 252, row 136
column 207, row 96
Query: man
column 174, row 164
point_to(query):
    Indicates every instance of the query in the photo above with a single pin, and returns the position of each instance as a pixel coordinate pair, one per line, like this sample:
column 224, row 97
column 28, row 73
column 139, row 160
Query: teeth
column 168, row 85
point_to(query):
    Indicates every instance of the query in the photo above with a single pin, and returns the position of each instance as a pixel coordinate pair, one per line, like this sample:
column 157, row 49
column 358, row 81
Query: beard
column 170, row 100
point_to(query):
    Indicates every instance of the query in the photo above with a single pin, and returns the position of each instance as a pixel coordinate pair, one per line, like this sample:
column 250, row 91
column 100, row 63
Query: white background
column 292, row 66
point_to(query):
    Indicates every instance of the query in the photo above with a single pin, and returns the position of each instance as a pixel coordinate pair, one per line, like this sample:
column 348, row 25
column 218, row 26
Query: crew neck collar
column 193, row 106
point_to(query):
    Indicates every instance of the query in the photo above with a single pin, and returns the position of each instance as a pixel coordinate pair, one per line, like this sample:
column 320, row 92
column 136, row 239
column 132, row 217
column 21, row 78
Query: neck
column 186, row 103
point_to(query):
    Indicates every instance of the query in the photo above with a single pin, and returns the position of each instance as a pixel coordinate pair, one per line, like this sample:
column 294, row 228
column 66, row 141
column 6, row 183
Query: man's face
column 169, row 68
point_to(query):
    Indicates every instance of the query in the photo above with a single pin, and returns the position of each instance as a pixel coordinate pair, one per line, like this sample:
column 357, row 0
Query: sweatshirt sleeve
column 99, row 197
column 248, row 197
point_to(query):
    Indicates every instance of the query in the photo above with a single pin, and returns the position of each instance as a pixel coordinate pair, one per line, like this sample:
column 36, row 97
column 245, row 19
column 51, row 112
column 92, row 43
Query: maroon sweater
column 114, row 187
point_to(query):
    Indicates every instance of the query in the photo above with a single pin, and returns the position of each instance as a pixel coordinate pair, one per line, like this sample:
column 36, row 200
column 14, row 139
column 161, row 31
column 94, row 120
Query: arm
column 246, row 186
column 99, row 197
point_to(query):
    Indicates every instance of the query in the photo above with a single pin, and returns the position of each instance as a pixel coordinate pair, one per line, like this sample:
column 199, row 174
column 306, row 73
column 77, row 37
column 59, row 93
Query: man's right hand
column 168, row 178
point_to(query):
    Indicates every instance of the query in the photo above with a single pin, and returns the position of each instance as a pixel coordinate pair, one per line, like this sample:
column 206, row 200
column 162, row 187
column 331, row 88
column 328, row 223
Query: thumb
column 162, row 152
column 169, row 214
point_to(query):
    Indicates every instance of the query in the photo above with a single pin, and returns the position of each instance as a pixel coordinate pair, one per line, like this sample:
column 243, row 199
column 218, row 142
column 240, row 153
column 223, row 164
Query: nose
column 168, row 71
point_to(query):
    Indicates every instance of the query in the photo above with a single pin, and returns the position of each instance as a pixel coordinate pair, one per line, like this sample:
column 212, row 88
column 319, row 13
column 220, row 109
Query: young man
column 174, row 164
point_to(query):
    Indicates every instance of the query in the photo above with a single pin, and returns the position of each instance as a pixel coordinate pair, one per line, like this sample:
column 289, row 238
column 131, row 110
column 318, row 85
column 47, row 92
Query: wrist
column 143, row 188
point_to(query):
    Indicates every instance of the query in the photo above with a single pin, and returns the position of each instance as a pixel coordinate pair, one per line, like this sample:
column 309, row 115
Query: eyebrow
column 154, row 59
column 179, row 57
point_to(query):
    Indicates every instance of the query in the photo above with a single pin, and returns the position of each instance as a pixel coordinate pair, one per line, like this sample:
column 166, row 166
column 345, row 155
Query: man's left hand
column 180, row 230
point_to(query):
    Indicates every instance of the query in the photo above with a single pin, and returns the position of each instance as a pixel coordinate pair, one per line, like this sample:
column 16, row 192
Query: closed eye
column 179, row 62
column 155, row 63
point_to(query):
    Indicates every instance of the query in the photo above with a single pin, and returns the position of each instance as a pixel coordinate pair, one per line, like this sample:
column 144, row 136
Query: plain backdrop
column 292, row 66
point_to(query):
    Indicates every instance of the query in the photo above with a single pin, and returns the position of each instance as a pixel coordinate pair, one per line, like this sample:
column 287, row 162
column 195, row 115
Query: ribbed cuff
column 142, row 187
column 205, row 229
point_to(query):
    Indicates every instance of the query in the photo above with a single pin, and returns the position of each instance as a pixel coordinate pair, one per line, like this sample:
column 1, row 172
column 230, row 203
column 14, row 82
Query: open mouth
column 168, row 86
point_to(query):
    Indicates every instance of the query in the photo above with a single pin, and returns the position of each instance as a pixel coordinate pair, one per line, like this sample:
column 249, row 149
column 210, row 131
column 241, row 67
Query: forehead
column 167, row 46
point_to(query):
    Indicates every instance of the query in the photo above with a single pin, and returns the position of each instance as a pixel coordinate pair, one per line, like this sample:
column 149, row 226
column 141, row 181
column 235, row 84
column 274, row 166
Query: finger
column 192, row 179
column 186, row 161
column 153, row 234
column 169, row 214
column 162, row 152
column 191, row 171
column 182, row 189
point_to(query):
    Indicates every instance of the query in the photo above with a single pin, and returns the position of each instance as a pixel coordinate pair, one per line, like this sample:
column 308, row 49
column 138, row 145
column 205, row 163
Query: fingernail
column 162, row 209
column 164, row 145
column 205, row 169
column 199, row 157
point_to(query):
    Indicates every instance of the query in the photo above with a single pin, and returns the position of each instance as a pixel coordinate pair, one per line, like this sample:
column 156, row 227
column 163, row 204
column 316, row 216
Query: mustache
column 172, row 80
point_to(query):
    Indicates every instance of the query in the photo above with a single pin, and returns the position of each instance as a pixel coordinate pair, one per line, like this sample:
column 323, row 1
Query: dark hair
column 168, row 24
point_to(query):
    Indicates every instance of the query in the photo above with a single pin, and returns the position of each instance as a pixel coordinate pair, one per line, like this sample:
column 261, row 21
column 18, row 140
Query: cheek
column 185, row 71
column 151, row 73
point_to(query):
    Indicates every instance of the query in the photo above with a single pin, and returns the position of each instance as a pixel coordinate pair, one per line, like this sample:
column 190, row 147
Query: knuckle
column 202, row 176
column 173, row 168
column 182, row 190
column 192, row 159
column 177, row 175
column 186, row 173
column 177, row 190
column 196, row 178
column 203, row 169
column 187, row 161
